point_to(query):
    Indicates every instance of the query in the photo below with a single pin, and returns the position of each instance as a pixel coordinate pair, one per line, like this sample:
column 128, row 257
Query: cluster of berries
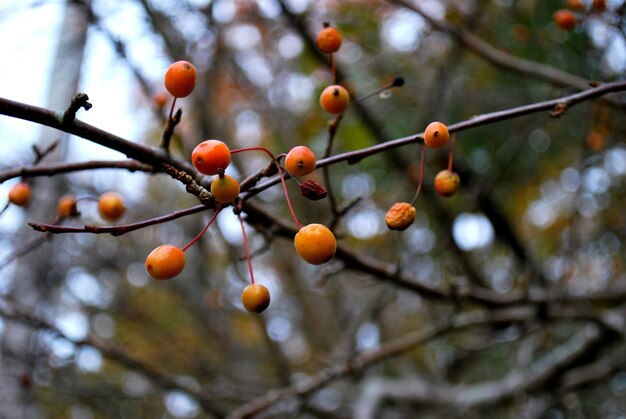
column 110, row 205
column 315, row 243
column 568, row 18
column 402, row 214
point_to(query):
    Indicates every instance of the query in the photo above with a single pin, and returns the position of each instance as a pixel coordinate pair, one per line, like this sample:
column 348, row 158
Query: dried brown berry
column 400, row 216
column 313, row 190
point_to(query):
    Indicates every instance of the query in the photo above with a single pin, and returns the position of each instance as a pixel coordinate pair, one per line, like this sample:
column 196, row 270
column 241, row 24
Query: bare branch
column 60, row 168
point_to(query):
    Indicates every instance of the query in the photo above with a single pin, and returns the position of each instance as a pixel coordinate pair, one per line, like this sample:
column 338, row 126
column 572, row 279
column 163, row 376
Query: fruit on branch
column 315, row 243
column 565, row 19
column 329, row 39
column 210, row 156
column 334, row 99
column 20, row 194
column 436, row 135
column 110, row 206
column 160, row 99
column 576, row 5
column 300, row 161
column 224, row 188
column 599, row 4
column 180, row 78
column 66, row 207
column 312, row 190
column 400, row 216
column 255, row 298
column 447, row 183
column 165, row 262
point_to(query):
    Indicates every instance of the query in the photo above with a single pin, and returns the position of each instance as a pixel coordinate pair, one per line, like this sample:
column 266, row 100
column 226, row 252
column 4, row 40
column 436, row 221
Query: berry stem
column 169, row 118
column 333, row 68
column 206, row 227
column 397, row 82
column 451, row 155
column 245, row 246
column 5, row 208
column 421, row 179
column 280, row 173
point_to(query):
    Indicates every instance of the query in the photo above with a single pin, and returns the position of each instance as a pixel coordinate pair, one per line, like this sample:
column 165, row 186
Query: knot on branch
column 191, row 186
column 559, row 110
column 81, row 100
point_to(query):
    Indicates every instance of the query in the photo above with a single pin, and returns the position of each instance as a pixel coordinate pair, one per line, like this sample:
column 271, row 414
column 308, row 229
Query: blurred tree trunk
column 34, row 284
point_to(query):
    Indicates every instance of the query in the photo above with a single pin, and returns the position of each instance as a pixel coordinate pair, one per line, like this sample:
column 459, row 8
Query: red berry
column 576, row 5
column 224, row 188
column 20, row 194
column 436, row 135
column 300, row 161
column 329, row 39
column 447, row 183
column 255, row 298
column 110, row 206
column 180, row 78
column 210, row 156
column 334, row 99
column 165, row 262
column 565, row 19
column 315, row 243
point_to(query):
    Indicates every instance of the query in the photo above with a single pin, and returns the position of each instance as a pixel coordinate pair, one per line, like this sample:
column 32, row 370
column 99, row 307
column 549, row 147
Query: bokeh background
column 540, row 208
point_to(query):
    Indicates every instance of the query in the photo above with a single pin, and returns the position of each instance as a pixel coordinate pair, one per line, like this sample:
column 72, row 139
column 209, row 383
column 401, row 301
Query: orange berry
column 20, row 194
column 329, row 39
column 565, row 19
column 447, row 183
column 255, row 298
column 315, row 243
column 334, row 99
column 180, row 78
column 599, row 4
column 210, row 156
column 400, row 216
column 576, row 5
column 436, row 135
column 110, row 206
column 165, row 262
column 67, row 206
column 595, row 141
column 224, row 188
column 160, row 99
column 300, row 161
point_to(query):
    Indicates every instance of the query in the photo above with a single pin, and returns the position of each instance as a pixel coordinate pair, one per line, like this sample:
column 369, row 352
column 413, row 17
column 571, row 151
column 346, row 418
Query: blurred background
column 85, row 333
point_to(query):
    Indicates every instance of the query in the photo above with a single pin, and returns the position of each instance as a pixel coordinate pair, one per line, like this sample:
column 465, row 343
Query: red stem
column 169, row 118
column 206, row 227
column 280, row 174
column 421, row 179
column 245, row 246
column 450, row 156
column 333, row 69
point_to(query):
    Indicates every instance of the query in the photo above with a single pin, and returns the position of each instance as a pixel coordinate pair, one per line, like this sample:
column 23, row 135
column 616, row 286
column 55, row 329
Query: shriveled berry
column 255, row 298
column 436, row 135
column 110, row 206
column 334, row 99
column 400, row 216
column 315, row 243
column 599, row 4
column 180, row 78
column 329, row 39
column 576, row 5
column 300, row 161
column 447, row 183
column 224, row 188
column 67, row 206
column 20, row 194
column 312, row 190
column 165, row 262
column 210, row 156
column 565, row 19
